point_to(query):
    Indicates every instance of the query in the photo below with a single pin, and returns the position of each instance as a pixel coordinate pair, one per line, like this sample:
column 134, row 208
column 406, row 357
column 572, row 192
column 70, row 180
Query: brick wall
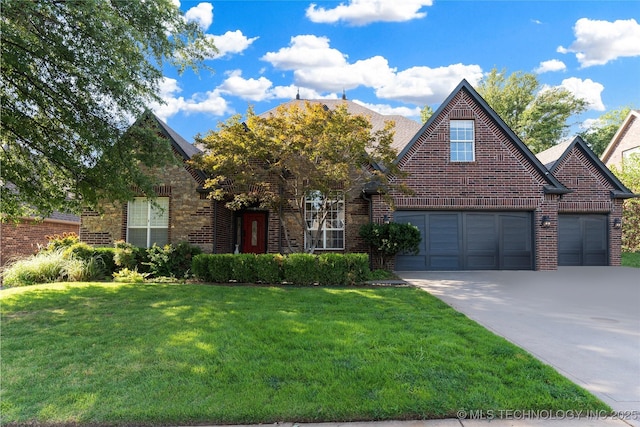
column 501, row 178
column 629, row 138
column 24, row 238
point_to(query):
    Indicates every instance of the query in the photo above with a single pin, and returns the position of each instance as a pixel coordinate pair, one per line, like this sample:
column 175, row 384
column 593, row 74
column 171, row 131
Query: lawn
column 631, row 259
column 183, row 354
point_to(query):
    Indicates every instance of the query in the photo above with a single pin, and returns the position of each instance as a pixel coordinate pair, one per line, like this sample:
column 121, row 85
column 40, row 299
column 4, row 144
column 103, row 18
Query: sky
column 396, row 56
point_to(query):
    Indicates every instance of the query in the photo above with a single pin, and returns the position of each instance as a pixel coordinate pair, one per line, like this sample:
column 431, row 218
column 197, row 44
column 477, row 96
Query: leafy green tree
column 600, row 133
column 629, row 174
column 388, row 240
column 276, row 161
column 73, row 76
column 538, row 115
column 426, row 113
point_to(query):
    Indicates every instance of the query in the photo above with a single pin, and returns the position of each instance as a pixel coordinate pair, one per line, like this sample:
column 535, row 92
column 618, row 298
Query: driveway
column 583, row 321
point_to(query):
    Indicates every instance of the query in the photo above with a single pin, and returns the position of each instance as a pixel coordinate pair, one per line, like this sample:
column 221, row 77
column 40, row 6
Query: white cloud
column 424, row 85
column 202, row 14
column 388, row 110
column 247, row 89
column 587, row 89
column 550, row 65
column 318, row 66
column 210, row 102
column 231, row 42
column 598, row 42
column 362, row 12
column 306, row 51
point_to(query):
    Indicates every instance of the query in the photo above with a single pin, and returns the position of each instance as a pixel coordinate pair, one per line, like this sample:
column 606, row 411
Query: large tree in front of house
column 538, row 115
column 302, row 160
column 601, row 131
column 74, row 74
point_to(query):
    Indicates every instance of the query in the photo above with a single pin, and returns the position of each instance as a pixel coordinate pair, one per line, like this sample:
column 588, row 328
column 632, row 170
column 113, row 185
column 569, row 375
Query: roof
column 186, row 149
column 556, row 154
column 553, row 186
column 606, row 154
column 404, row 129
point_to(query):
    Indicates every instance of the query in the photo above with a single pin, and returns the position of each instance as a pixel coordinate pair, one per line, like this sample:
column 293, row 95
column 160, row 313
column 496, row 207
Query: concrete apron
column 583, row 321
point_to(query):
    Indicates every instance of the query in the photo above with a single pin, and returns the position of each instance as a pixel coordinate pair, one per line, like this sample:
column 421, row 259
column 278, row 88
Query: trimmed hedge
column 296, row 269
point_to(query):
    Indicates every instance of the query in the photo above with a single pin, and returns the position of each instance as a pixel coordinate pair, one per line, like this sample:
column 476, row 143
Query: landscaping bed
column 114, row 353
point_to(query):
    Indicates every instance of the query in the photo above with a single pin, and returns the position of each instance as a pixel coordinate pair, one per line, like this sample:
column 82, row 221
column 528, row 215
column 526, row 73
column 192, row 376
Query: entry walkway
column 583, row 321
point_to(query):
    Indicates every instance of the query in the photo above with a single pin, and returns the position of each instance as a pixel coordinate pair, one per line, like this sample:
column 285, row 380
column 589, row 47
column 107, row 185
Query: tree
column 426, row 113
column 538, row 115
column 629, row 174
column 74, row 75
column 298, row 154
column 601, row 132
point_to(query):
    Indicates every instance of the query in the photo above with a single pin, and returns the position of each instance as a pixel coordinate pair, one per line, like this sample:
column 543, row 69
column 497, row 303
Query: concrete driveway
column 583, row 321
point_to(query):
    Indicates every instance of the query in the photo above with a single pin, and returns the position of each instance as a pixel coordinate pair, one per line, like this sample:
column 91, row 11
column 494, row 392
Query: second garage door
column 469, row 241
column 583, row 240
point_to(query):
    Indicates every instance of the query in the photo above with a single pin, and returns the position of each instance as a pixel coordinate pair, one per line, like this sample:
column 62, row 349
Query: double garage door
column 499, row 240
column 470, row 241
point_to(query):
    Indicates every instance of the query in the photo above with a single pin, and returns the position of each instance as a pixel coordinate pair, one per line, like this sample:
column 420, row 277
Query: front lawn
column 148, row 354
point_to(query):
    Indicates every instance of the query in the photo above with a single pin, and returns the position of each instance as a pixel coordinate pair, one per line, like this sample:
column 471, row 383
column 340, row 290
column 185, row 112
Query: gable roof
column 555, row 155
column 404, row 129
column 554, row 186
column 615, row 141
column 186, row 149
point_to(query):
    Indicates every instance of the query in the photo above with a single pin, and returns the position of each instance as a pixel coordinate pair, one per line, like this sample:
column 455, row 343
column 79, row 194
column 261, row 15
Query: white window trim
column 338, row 206
column 151, row 209
column 472, row 141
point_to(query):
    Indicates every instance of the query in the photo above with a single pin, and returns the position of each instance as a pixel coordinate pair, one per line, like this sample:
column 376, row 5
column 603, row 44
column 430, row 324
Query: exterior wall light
column 617, row 223
column 545, row 222
column 385, row 219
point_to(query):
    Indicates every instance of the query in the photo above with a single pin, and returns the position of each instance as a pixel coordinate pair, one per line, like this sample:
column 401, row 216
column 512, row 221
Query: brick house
column 625, row 142
column 24, row 238
column 481, row 199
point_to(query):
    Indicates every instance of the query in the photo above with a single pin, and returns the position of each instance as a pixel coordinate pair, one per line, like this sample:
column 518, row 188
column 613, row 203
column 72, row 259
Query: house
column 590, row 217
column 625, row 142
column 24, row 238
column 480, row 197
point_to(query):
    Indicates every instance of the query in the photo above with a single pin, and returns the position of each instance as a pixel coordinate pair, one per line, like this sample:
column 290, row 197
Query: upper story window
column 324, row 217
column 462, row 140
column 148, row 222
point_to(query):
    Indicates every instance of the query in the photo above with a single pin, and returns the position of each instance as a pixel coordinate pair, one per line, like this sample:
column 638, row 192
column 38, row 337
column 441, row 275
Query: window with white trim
column 324, row 217
column 462, row 140
column 148, row 222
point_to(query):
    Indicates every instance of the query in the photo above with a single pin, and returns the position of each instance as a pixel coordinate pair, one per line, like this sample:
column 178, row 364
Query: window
column 148, row 222
column 462, row 140
column 330, row 232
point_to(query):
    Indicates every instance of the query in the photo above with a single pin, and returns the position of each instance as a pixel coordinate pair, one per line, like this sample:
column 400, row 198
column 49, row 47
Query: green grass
column 631, row 259
column 148, row 354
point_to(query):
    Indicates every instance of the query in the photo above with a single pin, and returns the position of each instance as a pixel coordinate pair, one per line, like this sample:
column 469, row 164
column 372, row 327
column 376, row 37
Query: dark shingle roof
column 186, row 149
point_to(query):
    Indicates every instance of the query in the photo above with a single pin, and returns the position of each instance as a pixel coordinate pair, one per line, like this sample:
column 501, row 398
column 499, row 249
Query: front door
column 254, row 233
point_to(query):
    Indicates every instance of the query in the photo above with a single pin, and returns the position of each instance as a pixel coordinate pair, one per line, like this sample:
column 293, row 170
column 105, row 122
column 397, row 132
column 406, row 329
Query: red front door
column 254, row 233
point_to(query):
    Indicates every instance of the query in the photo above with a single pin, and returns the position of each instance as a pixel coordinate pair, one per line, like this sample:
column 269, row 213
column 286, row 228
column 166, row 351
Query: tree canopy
column 538, row 115
column 74, row 75
column 601, row 132
column 277, row 160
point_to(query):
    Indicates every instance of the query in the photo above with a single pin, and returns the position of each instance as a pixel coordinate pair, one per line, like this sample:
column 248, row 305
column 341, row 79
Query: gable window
column 330, row 232
column 462, row 140
column 148, row 222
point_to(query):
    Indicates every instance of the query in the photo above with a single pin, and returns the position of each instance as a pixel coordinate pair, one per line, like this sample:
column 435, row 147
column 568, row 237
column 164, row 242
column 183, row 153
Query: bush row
column 296, row 269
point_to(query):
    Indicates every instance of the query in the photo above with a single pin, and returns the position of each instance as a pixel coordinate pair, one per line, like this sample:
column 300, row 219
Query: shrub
column 171, row 261
column 60, row 241
column 200, row 267
column 107, row 255
column 332, row 269
column 129, row 256
column 357, row 268
column 129, row 276
column 79, row 250
column 300, row 269
column 44, row 267
column 268, row 268
column 220, row 268
column 387, row 240
column 243, row 268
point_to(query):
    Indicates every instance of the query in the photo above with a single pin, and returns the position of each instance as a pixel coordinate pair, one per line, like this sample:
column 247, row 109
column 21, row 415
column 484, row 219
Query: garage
column 583, row 240
column 469, row 241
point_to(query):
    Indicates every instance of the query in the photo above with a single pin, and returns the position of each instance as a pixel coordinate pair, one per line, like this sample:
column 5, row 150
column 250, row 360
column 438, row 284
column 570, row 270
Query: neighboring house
column 625, row 142
column 590, row 217
column 481, row 199
column 24, row 238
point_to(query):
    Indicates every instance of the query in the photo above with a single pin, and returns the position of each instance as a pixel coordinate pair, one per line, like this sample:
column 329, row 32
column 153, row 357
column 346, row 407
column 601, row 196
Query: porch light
column 385, row 219
column 617, row 223
column 546, row 222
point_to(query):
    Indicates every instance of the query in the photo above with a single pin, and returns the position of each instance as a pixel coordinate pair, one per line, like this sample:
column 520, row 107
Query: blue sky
column 395, row 56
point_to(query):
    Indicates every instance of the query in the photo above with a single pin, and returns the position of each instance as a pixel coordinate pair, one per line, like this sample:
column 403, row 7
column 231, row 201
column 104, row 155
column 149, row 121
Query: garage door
column 469, row 241
column 583, row 240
